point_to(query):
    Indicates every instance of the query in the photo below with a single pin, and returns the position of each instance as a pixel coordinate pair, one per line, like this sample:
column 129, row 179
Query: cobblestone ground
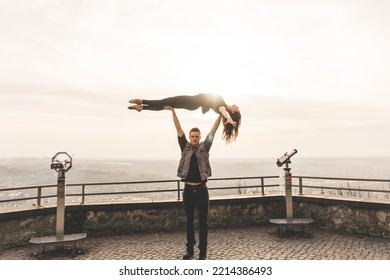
column 254, row 243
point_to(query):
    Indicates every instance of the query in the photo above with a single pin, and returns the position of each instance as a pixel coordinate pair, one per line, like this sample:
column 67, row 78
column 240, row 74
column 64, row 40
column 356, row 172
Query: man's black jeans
column 196, row 197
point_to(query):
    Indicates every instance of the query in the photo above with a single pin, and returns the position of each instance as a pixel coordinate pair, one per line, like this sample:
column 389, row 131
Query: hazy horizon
column 176, row 158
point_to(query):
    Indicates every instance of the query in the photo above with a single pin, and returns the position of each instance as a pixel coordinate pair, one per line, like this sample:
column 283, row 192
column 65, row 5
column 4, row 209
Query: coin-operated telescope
column 61, row 162
column 285, row 160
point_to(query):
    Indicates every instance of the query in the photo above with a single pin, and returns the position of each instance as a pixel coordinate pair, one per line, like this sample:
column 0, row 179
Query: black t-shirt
column 193, row 173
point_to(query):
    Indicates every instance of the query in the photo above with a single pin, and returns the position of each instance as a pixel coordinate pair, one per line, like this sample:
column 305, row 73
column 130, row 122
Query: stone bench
column 283, row 224
column 57, row 239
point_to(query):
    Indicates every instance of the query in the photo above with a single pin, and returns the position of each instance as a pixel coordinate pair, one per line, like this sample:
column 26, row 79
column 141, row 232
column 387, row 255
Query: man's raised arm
column 215, row 126
column 176, row 122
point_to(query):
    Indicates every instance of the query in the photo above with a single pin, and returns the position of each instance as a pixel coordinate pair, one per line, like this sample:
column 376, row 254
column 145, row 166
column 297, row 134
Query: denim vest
column 203, row 161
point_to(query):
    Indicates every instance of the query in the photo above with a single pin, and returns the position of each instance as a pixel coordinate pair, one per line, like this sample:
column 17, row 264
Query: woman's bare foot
column 136, row 101
column 137, row 107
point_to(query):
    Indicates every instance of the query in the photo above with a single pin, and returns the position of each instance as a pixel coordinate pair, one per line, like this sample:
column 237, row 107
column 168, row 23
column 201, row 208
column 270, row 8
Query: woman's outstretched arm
column 226, row 114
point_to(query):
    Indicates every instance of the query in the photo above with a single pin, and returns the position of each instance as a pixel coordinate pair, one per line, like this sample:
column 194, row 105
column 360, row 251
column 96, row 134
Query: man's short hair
column 194, row 129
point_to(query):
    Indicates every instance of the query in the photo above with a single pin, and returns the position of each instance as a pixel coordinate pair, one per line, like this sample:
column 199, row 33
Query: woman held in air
column 231, row 114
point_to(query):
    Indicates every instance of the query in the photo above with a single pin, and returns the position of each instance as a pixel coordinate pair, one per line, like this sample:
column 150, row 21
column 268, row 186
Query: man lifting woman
column 230, row 113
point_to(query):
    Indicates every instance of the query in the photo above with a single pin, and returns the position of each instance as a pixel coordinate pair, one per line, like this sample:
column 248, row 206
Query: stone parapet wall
column 355, row 216
column 361, row 216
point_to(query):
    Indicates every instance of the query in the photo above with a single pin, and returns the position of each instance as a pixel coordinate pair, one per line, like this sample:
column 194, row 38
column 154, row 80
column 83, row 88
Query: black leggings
column 189, row 102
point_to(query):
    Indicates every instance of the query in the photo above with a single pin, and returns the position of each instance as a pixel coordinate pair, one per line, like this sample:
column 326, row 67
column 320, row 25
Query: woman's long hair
column 230, row 132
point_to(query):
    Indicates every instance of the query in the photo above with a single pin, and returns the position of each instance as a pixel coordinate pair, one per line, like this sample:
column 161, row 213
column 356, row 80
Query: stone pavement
column 253, row 243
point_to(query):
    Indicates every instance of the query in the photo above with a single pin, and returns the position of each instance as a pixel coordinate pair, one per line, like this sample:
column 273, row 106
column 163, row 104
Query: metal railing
column 348, row 190
column 262, row 183
column 85, row 192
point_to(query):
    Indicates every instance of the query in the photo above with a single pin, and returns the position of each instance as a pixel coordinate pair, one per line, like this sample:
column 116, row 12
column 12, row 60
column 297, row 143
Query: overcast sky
column 309, row 75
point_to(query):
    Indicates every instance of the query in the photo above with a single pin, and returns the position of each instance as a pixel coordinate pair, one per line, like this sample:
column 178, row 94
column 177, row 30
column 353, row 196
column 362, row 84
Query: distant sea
column 21, row 172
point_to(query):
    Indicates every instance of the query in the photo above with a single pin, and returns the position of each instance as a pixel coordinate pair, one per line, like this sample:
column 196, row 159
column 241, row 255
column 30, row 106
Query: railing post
column 300, row 186
column 262, row 186
column 83, row 194
column 178, row 190
column 39, row 198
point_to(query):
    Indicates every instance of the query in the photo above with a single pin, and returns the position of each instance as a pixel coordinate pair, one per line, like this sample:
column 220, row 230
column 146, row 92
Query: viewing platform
column 249, row 243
